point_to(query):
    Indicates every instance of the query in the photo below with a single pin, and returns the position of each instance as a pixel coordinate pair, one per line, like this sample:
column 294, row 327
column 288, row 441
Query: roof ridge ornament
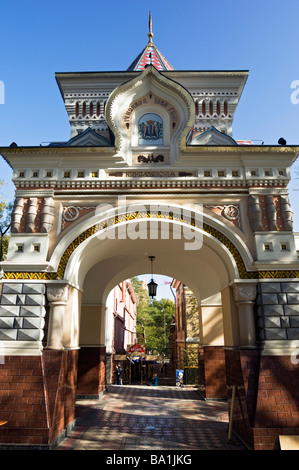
column 150, row 55
column 150, row 27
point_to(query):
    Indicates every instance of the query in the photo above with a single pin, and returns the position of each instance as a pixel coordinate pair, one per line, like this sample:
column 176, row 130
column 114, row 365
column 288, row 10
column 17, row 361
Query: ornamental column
column 58, row 299
column 245, row 295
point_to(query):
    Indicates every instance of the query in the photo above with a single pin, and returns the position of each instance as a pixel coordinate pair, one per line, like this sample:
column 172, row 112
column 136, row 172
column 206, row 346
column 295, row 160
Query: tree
column 153, row 319
column 5, row 223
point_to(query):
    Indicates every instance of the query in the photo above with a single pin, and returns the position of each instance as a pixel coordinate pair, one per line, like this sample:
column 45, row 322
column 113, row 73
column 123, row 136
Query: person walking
column 118, row 374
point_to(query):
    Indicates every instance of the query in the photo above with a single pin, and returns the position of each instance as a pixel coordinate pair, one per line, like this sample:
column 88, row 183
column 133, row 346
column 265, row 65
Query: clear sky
column 39, row 38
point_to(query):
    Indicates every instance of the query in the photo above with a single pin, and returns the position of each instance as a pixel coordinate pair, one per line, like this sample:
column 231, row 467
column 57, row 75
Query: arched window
column 77, row 109
column 211, row 108
column 218, row 108
column 98, row 108
column 91, row 109
column 203, row 108
column 84, row 109
column 150, row 130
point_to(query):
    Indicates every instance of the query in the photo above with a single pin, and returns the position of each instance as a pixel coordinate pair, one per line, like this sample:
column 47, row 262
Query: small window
column 20, row 248
column 268, row 173
column 35, row 174
column 281, row 172
column 36, row 248
column 49, row 174
column 67, row 174
column 94, row 174
column 22, row 174
column 207, row 173
column 80, row 174
column 253, row 173
column 284, row 246
column 221, row 173
column 235, row 173
column 268, row 246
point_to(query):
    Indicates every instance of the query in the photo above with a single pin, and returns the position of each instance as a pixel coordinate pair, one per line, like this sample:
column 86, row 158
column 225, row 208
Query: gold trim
column 243, row 273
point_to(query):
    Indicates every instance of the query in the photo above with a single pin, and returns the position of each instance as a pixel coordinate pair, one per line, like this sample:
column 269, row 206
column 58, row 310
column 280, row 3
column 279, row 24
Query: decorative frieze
column 72, row 213
column 230, row 212
column 33, row 215
column 47, row 216
column 270, row 213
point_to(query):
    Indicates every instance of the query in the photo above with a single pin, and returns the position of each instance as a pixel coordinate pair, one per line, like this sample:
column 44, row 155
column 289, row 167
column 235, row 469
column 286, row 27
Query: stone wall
column 277, row 310
column 22, row 312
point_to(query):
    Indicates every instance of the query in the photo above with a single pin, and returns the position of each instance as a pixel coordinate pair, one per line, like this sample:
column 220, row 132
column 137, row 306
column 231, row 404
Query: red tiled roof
column 150, row 55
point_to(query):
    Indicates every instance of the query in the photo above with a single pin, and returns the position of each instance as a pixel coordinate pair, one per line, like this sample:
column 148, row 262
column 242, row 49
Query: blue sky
column 39, row 38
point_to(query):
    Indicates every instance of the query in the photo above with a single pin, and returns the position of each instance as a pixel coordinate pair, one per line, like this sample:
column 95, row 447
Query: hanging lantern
column 152, row 286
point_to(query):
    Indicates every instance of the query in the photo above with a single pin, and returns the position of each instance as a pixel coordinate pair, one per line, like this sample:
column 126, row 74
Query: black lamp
column 152, row 286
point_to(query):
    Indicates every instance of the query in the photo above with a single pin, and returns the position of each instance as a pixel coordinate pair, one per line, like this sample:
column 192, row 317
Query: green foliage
column 5, row 221
column 153, row 319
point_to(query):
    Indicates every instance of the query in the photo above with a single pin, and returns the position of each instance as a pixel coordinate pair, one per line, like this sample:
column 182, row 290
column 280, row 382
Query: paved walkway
column 150, row 418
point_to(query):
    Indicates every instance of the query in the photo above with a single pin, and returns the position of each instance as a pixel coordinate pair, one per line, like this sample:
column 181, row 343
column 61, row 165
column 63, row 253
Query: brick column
column 91, row 371
column 267, row 397
column 211, row 372
column 37, row 399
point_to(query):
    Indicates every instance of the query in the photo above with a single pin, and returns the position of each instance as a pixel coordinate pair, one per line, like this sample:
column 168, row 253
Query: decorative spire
column 150, row 25
column 150, row 55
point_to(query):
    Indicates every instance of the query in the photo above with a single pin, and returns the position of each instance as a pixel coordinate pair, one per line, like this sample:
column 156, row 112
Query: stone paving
column 150, row 418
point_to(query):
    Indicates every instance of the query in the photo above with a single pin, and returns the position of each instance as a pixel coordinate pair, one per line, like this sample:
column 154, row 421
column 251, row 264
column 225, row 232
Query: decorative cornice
column 149, row 179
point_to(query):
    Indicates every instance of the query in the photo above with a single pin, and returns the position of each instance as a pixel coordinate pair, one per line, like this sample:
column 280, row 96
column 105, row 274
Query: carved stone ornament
column 244, row 293
column 151, row 158
column 57, row 294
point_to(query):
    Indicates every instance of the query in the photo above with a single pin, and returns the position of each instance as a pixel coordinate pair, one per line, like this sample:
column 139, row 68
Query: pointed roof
column 150, row 55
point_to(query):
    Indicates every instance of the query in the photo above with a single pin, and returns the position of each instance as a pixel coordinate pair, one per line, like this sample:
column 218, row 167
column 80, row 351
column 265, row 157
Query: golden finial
column 150, row 34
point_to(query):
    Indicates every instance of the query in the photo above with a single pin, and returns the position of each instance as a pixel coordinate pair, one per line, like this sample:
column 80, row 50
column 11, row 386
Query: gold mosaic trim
column 243, row 273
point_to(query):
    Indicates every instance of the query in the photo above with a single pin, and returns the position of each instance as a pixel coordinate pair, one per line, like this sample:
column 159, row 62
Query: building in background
column 184, row 339
column 124, row 315
column 120, row 323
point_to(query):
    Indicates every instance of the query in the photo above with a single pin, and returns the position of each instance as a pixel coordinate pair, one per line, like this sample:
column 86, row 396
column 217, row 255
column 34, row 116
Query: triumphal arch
column 151, row 168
